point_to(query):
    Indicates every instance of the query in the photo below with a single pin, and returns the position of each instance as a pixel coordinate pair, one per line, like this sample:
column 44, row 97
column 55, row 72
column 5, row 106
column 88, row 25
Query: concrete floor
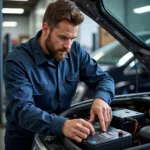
column 2, row 130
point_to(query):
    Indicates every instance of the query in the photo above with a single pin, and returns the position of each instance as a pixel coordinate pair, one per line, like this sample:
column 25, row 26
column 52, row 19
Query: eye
column 63, row 38
column 73, row 39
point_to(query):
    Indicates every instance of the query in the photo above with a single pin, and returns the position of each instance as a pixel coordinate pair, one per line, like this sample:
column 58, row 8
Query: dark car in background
column 129, row 74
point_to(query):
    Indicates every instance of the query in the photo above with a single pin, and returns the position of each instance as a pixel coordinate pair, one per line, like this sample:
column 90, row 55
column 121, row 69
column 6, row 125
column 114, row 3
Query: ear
column 45, row 29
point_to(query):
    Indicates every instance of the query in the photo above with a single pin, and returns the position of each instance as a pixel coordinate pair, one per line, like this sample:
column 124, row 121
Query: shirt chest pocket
column 42, row 95
column 73, row 77
column 71, row 82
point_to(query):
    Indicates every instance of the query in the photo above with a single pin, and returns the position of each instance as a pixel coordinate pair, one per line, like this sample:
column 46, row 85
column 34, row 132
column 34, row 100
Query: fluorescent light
column 141, row 10
column 12, row 11
column 9, row 23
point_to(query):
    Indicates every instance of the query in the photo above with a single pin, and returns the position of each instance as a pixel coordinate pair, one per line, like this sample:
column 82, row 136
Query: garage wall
column 36, row 16
column 30, row 25
column 21, row 29
column 87, row 28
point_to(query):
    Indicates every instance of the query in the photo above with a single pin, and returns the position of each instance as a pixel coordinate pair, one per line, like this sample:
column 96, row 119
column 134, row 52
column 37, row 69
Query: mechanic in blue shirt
column 41, row 77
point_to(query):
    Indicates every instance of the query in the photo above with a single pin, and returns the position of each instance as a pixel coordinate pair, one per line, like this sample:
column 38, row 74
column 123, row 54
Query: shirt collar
column 39, row 55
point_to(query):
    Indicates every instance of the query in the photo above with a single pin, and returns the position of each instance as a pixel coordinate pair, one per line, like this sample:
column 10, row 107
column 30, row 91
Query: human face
column 59, row 40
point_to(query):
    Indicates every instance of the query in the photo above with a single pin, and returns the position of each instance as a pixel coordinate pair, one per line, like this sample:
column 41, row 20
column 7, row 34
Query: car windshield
column 133, row 14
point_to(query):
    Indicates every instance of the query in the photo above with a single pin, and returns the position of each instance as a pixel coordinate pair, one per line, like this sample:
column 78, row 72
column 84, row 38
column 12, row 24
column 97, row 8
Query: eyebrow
column 67, row 36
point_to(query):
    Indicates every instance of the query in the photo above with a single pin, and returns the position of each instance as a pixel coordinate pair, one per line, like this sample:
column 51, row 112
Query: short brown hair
column 62, row 10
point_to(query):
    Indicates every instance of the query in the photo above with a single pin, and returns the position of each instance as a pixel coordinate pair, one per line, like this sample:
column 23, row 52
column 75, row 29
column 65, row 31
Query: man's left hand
column 103, row 111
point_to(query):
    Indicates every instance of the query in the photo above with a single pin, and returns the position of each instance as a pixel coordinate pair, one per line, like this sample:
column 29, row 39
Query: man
column 41, row 77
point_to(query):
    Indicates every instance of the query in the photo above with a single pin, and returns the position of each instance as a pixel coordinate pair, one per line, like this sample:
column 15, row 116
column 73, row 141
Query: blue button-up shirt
column 38, row 88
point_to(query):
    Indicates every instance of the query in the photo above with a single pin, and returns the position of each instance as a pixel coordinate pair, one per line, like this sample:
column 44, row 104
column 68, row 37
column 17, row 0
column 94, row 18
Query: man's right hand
column 77, row 129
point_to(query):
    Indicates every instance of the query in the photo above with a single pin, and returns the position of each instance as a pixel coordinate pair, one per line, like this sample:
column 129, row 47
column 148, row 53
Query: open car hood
column 96, row 11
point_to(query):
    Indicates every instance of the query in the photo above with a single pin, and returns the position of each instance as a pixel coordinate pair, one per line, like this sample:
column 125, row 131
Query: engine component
column 144, row 134
column 111, row 139
column 124, row 119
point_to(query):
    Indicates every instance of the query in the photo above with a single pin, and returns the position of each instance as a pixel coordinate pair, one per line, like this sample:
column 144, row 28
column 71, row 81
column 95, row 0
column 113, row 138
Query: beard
column 57, row 54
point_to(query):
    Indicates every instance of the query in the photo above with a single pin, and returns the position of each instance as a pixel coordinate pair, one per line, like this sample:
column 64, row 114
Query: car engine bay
column 129, row 129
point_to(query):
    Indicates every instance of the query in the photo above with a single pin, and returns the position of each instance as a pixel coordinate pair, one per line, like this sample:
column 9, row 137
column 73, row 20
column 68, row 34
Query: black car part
column 112, row 139
column 130, row 128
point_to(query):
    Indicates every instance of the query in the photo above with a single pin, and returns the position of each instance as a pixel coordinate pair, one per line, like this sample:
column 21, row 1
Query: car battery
column 125, row 119
column 111, row 139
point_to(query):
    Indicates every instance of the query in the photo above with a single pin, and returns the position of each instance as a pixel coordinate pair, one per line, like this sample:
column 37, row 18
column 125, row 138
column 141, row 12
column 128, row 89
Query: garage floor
column 2, row 126
column 2, row 130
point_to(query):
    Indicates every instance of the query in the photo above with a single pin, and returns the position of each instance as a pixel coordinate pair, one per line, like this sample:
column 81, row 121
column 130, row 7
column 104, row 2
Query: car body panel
column 95, row 10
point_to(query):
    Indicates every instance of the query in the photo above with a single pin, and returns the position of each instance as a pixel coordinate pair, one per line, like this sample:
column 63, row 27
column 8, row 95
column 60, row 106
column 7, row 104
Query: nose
column 68, row 44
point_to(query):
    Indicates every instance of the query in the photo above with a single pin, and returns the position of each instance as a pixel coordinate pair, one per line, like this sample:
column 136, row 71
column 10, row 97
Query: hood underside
column 96, row 11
